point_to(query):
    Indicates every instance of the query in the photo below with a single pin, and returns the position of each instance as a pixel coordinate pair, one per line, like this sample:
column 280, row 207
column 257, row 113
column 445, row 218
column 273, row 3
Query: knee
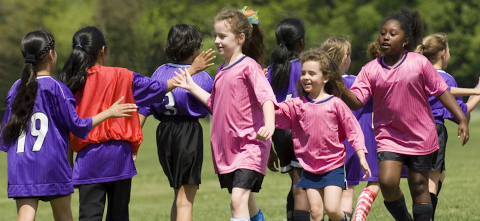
column 238, row 201
column 418, row 186
column 183, row 203
column 316, row 213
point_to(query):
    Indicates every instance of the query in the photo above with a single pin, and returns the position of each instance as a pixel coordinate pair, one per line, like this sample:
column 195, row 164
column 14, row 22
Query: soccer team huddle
column 302, row 115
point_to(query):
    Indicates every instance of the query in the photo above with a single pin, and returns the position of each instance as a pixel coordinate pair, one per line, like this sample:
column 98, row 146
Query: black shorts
column 439, row 163
column 42, row 198
column 180, row 149
column 414, row 162
column 283, row 144
column 242, row 178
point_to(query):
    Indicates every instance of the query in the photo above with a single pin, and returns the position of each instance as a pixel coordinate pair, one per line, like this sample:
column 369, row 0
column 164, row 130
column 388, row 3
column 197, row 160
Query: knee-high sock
column 434, row 204
column 258, row 217
column 422, row 212
column 439, row 187
column 398, row 209
column 290, row 205
column 301, row 215
column 364, row 203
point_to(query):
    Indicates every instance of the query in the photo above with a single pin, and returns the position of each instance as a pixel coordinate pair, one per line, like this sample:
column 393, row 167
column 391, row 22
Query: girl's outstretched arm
column 266, row 132
column 351, row 100
column 185, row 81
column 472, row 103
column 458, row 91
column 117, row 110
column 200, row 63
column 451, row 104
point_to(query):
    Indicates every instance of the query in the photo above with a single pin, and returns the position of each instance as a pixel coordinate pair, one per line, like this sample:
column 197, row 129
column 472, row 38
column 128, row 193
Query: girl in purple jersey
column 435, row 48
column 398, row 82
column 35, row 130
column 283, row 74
column 179, row 134
column 320, row 123
column 242, row 105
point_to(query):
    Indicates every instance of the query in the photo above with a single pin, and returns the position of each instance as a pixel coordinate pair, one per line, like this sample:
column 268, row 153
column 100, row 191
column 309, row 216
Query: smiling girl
column 320, row 149
column 399, row 82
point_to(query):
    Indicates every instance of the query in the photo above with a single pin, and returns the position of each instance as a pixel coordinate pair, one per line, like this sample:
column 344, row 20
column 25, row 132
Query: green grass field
column 152, row 196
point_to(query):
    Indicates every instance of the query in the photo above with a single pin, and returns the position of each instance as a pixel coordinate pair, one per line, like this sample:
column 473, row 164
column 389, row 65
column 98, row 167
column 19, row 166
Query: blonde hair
column 255, row 45
column 337, row 48
column 329, row 69
column 432, row 45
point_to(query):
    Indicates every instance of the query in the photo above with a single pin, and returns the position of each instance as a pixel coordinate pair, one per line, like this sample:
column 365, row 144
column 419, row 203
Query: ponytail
column 255, row 46
column 86, row 44
column 281, row 67
column 289, row 32
column 432, row 46
column 35, row 46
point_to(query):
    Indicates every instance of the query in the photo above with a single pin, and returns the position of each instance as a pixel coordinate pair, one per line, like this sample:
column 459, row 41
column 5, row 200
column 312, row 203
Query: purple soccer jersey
column 365, row 119
column 440, row 113
column 180, row 101
column 37, row 160
column 112, row 160
column 291, row 90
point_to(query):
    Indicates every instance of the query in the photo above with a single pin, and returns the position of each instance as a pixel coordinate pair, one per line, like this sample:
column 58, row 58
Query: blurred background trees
column 136, row 30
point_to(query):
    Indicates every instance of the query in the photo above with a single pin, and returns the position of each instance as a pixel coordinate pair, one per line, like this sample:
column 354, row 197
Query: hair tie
column 30, row 59
column 78, row 46
column 250, row 14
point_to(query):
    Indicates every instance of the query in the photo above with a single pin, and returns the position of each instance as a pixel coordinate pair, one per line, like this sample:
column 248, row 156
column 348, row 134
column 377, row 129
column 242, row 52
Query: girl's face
column 446, row 58
column 225, row 40
column 312, row 78
column 392, row 38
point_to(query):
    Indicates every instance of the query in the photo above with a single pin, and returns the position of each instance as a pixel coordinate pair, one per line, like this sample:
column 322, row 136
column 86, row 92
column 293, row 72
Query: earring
column 403, row 45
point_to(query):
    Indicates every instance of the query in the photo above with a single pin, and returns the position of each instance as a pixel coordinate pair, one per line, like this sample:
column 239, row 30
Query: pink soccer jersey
column 236, row 102
column 402, row 116
column 318, row 131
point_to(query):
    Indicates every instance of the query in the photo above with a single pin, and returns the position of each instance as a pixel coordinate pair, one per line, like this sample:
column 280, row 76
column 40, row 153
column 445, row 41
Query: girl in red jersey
column 242, row 105
column 398, row 81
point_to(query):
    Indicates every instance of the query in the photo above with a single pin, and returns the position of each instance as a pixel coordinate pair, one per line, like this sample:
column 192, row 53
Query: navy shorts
column 335, row 177
column 242, row 178
column 283, row 144
column 413, row 162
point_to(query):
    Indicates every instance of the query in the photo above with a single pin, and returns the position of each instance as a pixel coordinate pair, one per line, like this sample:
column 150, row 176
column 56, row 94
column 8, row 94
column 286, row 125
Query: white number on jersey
column 171, row 110
column 372, row 122
column 289, row 96
column 40, row 133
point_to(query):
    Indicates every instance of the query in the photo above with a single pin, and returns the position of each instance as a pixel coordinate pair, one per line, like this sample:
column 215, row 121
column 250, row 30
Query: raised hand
column 202, row 62
column 120, row 110
column 183, row 80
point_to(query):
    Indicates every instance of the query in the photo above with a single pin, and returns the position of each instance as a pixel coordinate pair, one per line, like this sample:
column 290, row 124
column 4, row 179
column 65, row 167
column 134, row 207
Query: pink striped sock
column 364, row 203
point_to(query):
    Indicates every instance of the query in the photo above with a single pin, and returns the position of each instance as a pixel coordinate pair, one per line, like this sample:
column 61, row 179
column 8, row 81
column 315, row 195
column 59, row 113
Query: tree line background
column 136, row 31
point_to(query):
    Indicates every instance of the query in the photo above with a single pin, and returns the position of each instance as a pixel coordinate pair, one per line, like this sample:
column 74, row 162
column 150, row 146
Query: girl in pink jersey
column 399, row 82
column 242, row 105
column 320, row 123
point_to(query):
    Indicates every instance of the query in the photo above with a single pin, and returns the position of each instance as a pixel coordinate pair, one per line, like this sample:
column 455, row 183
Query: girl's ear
column 405, row 43
column 241, row 39
column 101, row 57
column 442, row 53
column 51, row 55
